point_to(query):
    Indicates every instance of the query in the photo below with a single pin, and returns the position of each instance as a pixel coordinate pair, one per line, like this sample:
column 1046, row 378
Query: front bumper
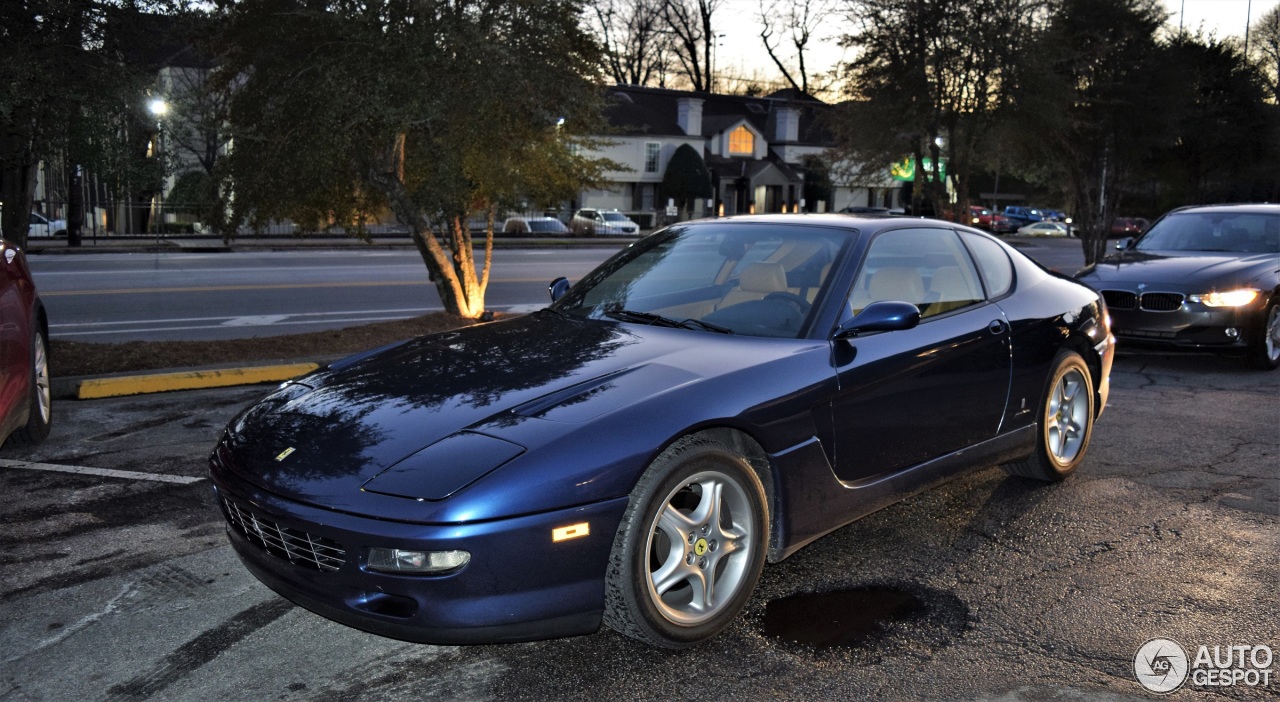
column 1189, row 327
column 518, row 586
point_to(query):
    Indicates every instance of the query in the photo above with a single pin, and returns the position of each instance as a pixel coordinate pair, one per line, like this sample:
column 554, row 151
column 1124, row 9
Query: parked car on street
column 591, row 222
column 1128, row 226
column 1201, row 278
column 996, row 223
column 1045, row 229
column 25, row 401
column 42, row 226
column 1023, row 216
column 534, row 226
column 716, row 395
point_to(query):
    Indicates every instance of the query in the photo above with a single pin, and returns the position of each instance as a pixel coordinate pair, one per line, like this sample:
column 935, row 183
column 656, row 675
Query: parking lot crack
column 76, row 627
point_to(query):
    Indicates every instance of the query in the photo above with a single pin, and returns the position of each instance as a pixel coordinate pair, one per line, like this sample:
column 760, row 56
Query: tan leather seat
column 756, row 281
column 896, row 283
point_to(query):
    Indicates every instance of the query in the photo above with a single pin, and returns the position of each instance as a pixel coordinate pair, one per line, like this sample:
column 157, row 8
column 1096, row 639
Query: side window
column 927, row 267
column 993, row 262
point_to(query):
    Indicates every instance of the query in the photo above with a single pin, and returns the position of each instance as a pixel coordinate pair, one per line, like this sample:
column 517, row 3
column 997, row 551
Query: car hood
column 397, row 422
column 1180, row 270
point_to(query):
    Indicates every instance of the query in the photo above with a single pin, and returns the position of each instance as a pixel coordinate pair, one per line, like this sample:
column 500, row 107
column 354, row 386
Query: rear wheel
column 1264, row 352
column 690, row 547
column 41, row 398
column 1065, row 422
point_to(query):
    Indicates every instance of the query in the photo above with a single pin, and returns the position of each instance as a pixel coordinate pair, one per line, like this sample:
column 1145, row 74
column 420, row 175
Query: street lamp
column 158, row 108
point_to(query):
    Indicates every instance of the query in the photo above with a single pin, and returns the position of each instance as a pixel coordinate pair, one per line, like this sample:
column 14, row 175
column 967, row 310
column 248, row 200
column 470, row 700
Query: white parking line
column 103, row 472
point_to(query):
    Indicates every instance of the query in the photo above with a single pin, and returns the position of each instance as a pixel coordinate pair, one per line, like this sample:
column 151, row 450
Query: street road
column 208, row 296
column 170, row 296
column 121, row 585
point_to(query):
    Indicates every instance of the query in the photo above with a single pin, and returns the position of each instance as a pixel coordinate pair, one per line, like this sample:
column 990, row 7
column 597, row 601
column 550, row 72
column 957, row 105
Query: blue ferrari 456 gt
column 717, row 395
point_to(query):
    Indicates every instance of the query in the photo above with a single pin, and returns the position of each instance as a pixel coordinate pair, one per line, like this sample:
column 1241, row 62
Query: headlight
column 1226, row 298
column 394, row 560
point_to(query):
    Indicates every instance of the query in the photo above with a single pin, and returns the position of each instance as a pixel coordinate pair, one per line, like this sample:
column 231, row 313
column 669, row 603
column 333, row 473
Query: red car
column 25, row 401
column 1128, row 226
column 993, row 222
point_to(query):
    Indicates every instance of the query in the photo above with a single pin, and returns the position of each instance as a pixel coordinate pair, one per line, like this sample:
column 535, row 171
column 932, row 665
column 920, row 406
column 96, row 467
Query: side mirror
column 1124, row 243
column 880, row 317
column 558, row 288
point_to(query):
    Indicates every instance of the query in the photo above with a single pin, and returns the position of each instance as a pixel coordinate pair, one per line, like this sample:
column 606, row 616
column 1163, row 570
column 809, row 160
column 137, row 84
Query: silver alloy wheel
column 1272, row 334
column 1067, row 417
column 41, row 367
column 699, row 548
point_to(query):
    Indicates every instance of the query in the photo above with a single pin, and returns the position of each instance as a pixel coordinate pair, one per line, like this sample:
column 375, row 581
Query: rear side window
column 993, row 263
column 927, row 267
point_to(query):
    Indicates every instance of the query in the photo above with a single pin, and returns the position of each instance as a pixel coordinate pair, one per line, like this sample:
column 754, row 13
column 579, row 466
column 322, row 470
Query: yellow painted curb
column 193, row 380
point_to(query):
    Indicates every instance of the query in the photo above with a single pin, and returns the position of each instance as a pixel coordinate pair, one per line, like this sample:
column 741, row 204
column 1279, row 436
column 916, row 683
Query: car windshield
column 614, row 217
column 753, row 279
column 1232, row 232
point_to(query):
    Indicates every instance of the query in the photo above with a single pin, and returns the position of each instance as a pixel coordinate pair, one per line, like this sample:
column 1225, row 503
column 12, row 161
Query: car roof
column 864, row 222
column 1245, row 207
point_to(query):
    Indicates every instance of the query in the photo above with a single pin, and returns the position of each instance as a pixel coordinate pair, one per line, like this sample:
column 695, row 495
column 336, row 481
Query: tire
column 40, row 417
column 1264, row 352
column 1065, row 424
column 690, row 547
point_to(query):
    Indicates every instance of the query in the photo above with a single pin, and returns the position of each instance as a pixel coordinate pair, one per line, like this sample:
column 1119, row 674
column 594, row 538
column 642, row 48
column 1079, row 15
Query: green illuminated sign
column 905, row 169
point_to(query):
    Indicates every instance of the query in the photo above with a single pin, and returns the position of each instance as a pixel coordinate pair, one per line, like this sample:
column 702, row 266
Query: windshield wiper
column 658, row 320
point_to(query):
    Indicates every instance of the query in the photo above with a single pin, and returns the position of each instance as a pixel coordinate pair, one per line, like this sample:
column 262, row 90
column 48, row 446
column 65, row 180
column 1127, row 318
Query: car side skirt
column 814, row 502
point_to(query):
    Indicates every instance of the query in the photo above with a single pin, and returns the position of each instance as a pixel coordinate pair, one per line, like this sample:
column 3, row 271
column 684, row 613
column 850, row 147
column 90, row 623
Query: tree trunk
column 453, row 272
column 18, row 190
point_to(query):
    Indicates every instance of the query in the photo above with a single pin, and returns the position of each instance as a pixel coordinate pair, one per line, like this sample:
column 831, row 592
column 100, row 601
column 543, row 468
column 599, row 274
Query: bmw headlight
column 1227, row 298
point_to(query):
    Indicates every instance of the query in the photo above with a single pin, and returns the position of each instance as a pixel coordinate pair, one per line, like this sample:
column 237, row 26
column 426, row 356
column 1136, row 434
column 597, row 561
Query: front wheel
column 690, row 547
column 40, row 418
column 1065, row 422
column 1264, row 352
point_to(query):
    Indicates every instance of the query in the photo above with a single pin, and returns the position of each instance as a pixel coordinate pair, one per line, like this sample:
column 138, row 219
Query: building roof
column 637, row 110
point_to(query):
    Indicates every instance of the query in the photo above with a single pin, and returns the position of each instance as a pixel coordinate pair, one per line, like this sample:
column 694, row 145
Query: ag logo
column 1160, row 665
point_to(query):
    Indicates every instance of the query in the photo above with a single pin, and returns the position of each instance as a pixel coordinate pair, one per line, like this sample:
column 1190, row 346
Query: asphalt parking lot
column 119, row 584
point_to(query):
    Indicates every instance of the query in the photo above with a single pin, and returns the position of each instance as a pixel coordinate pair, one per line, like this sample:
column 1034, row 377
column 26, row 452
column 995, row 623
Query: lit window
column 742, row 142
column 651, row 151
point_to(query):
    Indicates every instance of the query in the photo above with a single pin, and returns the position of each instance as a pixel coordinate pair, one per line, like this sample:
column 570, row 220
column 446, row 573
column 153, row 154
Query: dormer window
column 742, row 142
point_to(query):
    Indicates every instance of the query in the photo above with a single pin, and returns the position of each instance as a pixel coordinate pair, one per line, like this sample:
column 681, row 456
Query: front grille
column 293, row 545
column 1144, row 334
column 1161, row 302
column 1120, row 299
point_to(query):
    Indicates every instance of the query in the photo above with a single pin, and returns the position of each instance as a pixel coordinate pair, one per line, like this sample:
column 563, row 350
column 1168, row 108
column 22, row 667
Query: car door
column 905, row 397
column 13, row 337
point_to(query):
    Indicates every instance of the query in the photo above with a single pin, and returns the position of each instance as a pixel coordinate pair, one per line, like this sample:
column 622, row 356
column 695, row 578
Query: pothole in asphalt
column 859, row 616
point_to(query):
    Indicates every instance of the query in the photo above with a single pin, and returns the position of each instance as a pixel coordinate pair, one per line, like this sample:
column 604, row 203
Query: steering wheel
column 801, row 304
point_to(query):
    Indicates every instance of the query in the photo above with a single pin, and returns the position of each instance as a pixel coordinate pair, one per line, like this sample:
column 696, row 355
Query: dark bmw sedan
column 712, row 398
column 1202, row 278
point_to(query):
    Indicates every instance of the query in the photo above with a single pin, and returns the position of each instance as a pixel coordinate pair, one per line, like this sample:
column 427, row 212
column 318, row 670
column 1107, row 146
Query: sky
column 739, row 51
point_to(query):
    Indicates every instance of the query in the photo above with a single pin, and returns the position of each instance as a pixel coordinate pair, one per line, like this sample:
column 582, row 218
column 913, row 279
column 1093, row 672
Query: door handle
column 997, row 327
